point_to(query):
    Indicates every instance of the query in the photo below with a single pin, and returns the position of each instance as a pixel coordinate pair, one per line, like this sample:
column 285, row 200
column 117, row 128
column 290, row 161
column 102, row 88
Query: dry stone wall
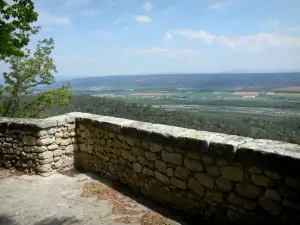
column 216, row 177
column 37, row 146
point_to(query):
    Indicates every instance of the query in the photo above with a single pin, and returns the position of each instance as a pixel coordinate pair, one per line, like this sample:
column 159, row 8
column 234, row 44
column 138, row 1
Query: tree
column 16, row 26
column 20, row 96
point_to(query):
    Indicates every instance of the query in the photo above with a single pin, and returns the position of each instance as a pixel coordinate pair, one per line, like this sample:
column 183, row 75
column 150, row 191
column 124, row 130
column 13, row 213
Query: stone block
column 270, row 206
column 46, row 141
column 288, row 192
column 52, row 147
column 262, row 180
column 150, row 156
column 238, row 201
column 292, row 182
column 273, row 175
column 161, row 177
column 178, row 183
column 291, row 204
column 173, row 158
column 194, row 155
column 221, row 162
column 57, row 153
column 255, row 170
column 148, row 172
column 215, row 196
column 45, row 155
column 224, row 184
column 137, row 167
column 194, row 165
column 205, row 179
column 29, row 140
column 232, row 173
column 273, row 194
column 155, row 147
column 248, row 190
column 182, row 172
column 196, row 187
column 170, row 172
column 207, row 160
column 161, row 166
column 213, row 171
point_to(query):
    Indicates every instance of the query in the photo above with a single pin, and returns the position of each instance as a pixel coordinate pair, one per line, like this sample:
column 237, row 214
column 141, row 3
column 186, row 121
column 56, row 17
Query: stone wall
column 217, row 177
column 37, row 146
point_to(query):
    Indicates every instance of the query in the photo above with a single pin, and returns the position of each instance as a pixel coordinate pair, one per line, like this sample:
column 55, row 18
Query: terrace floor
column 73, row 198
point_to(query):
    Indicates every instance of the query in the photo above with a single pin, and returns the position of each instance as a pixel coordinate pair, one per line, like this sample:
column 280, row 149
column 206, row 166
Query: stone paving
column 59, row 199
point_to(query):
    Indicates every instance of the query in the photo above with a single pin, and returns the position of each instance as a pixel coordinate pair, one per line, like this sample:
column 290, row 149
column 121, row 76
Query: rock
column 214, row 196
column 255, row 170
column 52, row 147
column 29, row 140
column 150, row 156
column 126, row 146
column 142, row 160
column 59, row 134
column 178, row 183
column 196, row 187
column 291, row 205
column 292, row 182
column 138, row 152
column 224, row 184
column 273, row 175
column 125, row 154
column 46, row 141
column 288, row 192
column 45, row 161
column 173, row 158
column 161, row 177
column 130, row 141
column 42, row 133
column 137, row 167
column 193, row 165
column 170, row 172
column 221, row 162
column 262, row 180
column 155, row 147
column 273, row 194
column 145, row 145
column 57, row 153
column 83, row 148
column 248, row 190
column 148, row 171
column 161, row 166
column 45, row 155
column 232, row 173
column 90, row 149
column 205, row 179
column 66, row 141
column 182, row 172
column 270, row 206
column 194, row 155
column 207, row 160
column 213, row 171
column 238, row 201
column 44, row 168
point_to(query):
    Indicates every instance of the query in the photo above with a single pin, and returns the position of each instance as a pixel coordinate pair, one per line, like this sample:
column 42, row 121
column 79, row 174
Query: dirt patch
column 246, row 93
column 70, row 172
column 294, row 88
column 123, row 205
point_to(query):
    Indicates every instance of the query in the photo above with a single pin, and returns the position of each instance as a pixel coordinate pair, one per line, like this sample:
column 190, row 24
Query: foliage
column 15, row 26
column 19, row 97
column 251, row 125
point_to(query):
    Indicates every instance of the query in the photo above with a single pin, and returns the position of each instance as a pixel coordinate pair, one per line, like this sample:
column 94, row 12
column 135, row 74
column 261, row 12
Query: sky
column 121, row 37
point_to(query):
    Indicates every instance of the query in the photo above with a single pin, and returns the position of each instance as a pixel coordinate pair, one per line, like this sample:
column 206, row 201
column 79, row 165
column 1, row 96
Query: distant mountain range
column 196, row 81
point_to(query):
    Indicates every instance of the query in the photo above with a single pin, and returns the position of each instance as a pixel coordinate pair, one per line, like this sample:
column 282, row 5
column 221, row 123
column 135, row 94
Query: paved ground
column 71, row 198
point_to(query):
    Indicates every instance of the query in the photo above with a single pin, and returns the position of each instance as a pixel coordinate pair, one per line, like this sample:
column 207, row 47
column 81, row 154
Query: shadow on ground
column 7, row 220
column 177, row 216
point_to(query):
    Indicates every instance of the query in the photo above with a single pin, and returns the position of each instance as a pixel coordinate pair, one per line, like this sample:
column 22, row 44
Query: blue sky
column 106, row 37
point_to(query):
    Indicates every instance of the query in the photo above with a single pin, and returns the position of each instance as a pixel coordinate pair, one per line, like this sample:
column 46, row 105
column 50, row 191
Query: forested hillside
column 255, row 126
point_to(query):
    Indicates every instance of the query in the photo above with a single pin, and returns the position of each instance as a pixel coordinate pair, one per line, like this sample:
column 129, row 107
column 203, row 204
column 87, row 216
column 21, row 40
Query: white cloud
column 196, row 34
column 255, row 43
column 46, row 18
column 220, row 5
column 142, row 19
column 71, row 3
column 168, row 36
column 275, row 22
column 148, row 6
column 90, row 12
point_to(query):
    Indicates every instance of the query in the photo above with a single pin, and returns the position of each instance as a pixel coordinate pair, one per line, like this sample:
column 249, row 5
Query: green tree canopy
column 16, row 26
